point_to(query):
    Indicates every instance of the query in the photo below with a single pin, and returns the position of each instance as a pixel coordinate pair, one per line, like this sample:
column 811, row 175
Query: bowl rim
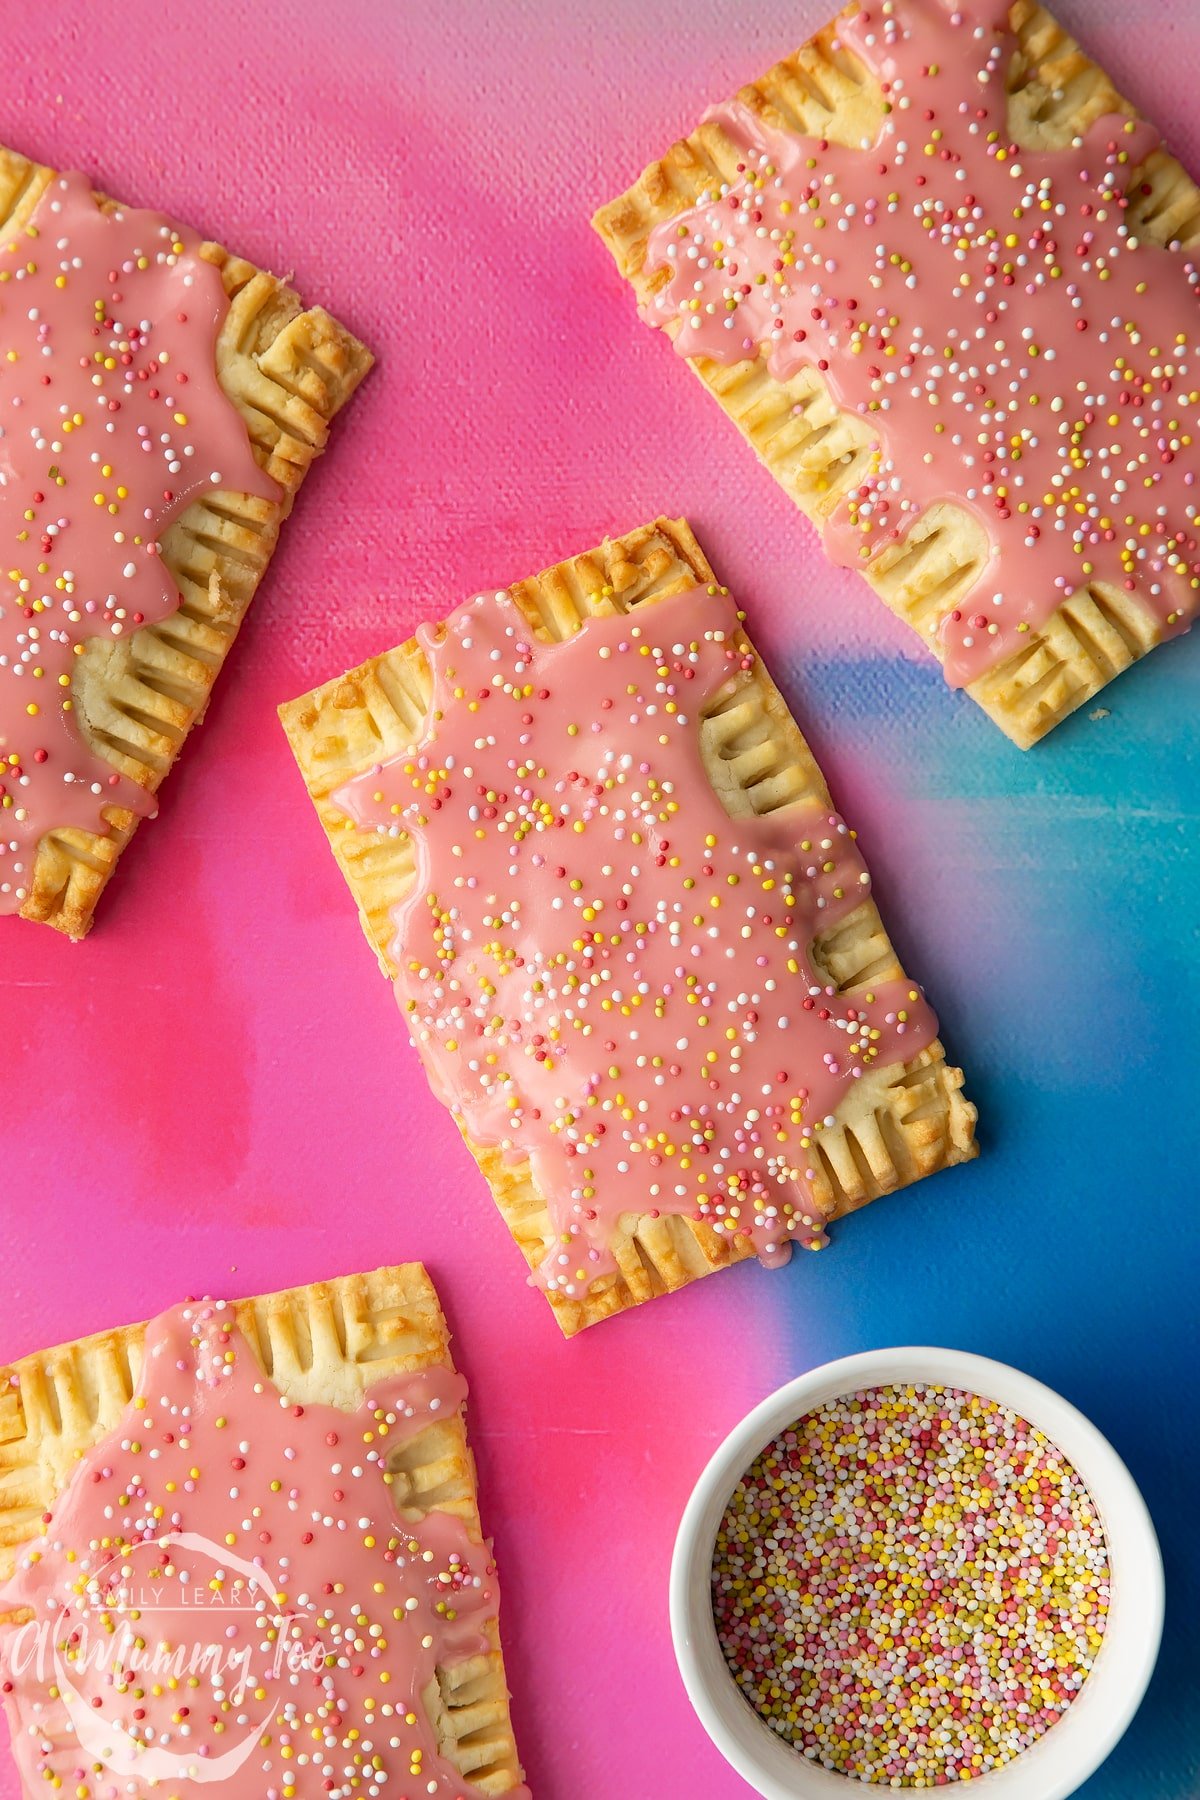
column 1063, row 1758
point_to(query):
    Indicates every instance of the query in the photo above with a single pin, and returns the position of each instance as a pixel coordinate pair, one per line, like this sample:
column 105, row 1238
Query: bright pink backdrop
column 214, row 1094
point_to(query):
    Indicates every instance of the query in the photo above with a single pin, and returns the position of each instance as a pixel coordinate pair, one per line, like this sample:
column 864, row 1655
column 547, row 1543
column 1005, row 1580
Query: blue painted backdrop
column 1070, row 883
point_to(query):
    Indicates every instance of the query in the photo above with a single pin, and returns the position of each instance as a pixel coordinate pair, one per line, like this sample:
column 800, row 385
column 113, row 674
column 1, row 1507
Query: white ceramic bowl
column 1057, row 1763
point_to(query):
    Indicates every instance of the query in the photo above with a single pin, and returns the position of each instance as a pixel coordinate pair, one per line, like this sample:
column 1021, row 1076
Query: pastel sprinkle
column 910, row 1585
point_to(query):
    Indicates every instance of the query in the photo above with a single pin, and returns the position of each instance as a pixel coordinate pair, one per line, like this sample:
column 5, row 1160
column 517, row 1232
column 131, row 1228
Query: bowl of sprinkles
column 914, row 1569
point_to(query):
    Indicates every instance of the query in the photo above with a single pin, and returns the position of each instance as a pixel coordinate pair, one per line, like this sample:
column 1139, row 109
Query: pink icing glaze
column 111, row 422
column 601, row 969
column 985, row 308
column 221, row 1521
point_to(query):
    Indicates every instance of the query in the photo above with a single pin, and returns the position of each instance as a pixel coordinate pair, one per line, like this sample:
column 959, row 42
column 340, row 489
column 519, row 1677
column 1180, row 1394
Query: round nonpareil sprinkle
column 910, row 1585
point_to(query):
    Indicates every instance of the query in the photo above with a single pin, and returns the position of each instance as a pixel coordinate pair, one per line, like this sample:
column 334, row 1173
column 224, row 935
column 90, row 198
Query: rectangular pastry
column 942, row 276
column 268, row 1510
column 634, row 944
column 160, row 404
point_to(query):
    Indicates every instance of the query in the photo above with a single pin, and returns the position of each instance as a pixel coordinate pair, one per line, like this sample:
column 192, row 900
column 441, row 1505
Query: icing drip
column 225, row 1592
column 111, row 422
column 602, row 970
column 985, row 309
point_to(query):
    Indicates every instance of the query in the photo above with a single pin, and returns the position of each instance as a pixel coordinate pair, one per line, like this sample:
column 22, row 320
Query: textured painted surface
column 214, row 1094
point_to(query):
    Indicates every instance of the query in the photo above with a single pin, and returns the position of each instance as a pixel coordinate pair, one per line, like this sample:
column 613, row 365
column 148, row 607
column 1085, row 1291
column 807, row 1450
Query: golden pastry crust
column 817, row 452
column 897, row 1124
column 288, row 369
column 327, row 1343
